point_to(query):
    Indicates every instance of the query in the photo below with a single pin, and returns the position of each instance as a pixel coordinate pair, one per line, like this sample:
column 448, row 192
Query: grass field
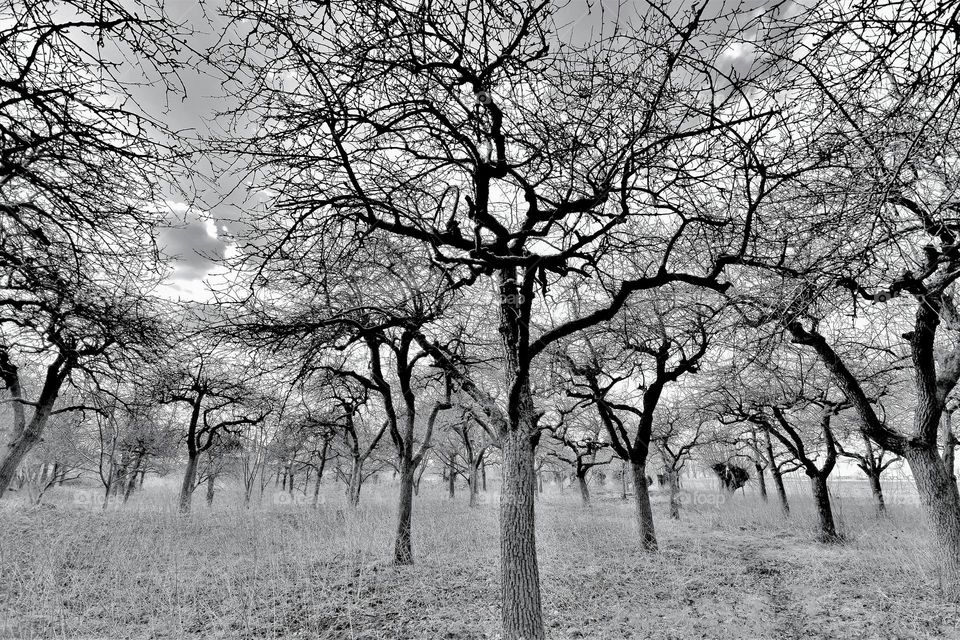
column 729, row 569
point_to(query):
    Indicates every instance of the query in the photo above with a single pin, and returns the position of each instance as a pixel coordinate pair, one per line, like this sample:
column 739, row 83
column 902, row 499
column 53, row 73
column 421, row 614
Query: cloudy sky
column 202, row 228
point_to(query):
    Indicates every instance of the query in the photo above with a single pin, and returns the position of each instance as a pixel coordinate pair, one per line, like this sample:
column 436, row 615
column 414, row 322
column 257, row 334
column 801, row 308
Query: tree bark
column 189, row 481
column 403, row 549
column 584, row 490
column 777, row 476
column 674, row 480
column 320, row 470
column 452, row 481
column 821, row 499
column 641, row 496
column 316, row 491
column 17, row 449
column 877, row 490
column 522, row 615
column 131, row 485
column 474, row 480
column 27, row 434
column 211, row 487
column 940, row 499
column 353, row 484
column 761, row 480
column 949, row 444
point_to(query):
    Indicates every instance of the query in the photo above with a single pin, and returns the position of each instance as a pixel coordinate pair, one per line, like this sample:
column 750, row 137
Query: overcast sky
column 203, row 237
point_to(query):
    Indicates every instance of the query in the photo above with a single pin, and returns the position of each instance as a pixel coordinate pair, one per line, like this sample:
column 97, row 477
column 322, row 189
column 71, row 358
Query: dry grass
column 731, row 570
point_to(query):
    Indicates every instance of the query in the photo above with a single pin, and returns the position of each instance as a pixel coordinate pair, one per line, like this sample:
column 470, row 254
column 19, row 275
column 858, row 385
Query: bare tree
column 481, row 133
column 80, row 177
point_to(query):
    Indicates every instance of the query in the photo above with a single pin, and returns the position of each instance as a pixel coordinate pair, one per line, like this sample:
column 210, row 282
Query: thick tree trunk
column 821, row 499
column 211, row 488
column 584, row 490
column 17, row 450
column 940, row 499
column 641, row 496
column 522, row 615
column 26, row 434
column 403, row 549
column 877, row 490
column 189, row 481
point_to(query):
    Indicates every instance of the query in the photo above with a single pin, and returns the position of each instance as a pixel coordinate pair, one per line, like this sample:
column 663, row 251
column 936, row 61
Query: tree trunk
column 451, row 481
column 940, row 499
column 641, row 496
column 584, row 490
column 353, row 484
column 107, row 490
column 403, row 550
column 320, row 470
column 122, row 473
column 316, row 492
column 27, row 434
column 821, row 499
column 949, row 444
column 474, row 480
column 761, row 480
column 483, row 476
column 17, row 449
column 306, row 479
column 189, row 480
column 877, row 491
column 211, row 482
column 131, row 485
column 522, row 614
column 674, row 480
column 777, row 477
